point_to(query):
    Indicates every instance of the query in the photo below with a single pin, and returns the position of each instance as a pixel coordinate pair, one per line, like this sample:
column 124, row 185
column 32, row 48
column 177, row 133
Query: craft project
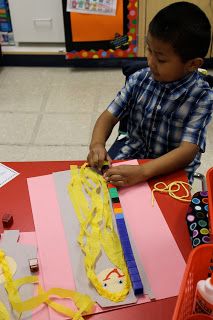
column 153, row 244
column 106, row 271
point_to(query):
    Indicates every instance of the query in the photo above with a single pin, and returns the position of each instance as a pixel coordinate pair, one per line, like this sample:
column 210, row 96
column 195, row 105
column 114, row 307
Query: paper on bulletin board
column 103, row 7
column 96, row 27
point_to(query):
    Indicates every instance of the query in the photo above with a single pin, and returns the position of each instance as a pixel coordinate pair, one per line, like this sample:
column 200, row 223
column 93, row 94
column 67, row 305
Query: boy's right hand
column 97, row 155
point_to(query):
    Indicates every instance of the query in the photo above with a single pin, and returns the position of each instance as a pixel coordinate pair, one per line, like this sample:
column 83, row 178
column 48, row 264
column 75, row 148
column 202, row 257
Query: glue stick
column 204, row 297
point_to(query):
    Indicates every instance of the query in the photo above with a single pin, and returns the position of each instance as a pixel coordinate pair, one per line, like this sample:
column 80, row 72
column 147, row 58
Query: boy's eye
column 161, row 61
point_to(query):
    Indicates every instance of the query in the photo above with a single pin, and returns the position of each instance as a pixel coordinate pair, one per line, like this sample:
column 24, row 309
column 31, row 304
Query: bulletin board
column 95, row 36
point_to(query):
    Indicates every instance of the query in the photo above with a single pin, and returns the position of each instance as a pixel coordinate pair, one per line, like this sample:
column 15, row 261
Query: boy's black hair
column 185, row 26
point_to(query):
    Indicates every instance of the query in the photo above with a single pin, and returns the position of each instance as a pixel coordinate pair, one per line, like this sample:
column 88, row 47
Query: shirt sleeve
column 120, row 106
column 199, row 118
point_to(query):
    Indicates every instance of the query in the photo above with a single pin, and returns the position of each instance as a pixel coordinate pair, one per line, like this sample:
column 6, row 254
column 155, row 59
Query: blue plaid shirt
column 162, row 115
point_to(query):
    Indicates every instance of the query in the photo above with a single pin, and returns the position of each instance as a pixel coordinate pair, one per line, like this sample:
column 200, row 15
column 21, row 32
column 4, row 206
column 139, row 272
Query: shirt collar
column 177, row 88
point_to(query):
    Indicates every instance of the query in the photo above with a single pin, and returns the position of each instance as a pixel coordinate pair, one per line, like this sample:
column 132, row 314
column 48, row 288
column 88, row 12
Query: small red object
column 116, row 205
column 33, row 264
column 109, row 185
column 7, row 220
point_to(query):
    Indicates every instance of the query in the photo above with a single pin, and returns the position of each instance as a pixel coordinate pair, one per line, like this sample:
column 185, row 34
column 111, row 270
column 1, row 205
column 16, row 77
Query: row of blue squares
column 126, row 246
column 137, row 287
column 121, row 222
column 125, row 241
column 124, row 230
column 127, row 250
column 129, row 257
column 131, row 264
column 136, row 277
column 119, row 216
column 133, row 271
column 123, row 234
column 120, row 225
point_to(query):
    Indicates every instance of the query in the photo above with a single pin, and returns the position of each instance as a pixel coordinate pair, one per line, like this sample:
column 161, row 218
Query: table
column 14, row 199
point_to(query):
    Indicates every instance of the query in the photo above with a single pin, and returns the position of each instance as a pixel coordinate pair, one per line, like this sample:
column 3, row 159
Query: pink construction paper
column 52, row 246
column 41, row 312
column 54, row 261
column 161, row 258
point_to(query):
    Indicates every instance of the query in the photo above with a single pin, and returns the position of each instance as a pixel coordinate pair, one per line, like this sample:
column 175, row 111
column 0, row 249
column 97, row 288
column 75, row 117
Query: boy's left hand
column 124, row 175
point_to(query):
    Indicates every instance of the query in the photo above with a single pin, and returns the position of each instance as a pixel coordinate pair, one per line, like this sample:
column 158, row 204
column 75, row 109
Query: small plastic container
column 204, row 297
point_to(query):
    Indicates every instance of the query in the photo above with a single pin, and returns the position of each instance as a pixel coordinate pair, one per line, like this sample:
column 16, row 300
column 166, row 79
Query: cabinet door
column 37, row 21
column 153, row 6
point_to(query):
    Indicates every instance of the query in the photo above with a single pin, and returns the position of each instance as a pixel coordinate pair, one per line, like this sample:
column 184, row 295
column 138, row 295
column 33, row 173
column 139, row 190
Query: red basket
column 209, row 178
column 199, row 267
column 198, row 317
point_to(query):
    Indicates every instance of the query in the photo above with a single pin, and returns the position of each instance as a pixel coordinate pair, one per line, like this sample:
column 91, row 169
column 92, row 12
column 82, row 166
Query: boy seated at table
column 168, row 105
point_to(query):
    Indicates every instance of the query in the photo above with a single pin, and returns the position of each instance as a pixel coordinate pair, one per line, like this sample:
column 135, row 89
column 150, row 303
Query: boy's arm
column 101, row 132
column 126, row 175
column 174, row 160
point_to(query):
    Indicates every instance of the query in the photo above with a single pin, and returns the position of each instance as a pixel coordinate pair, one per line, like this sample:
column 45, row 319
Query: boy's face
column 165, row 64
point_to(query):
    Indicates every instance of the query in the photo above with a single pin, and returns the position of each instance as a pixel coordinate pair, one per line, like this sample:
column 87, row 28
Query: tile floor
column 49, row 113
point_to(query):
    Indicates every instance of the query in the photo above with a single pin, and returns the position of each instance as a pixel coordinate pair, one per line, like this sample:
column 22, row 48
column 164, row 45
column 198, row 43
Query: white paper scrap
column 6, row 174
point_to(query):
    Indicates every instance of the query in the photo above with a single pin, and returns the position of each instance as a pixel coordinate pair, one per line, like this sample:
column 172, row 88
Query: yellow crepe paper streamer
column 171, row 189
column 11, row 289
column 82, row 302
column 4, row 315
column 89, row 195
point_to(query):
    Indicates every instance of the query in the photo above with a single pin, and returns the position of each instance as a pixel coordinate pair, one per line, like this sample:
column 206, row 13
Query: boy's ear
column 194, row 64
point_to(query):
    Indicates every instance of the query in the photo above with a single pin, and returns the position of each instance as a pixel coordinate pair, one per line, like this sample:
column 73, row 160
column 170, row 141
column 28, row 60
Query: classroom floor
column 49, row 113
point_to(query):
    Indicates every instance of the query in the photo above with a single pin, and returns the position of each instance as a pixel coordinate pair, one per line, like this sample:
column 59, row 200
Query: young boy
column 168, row 105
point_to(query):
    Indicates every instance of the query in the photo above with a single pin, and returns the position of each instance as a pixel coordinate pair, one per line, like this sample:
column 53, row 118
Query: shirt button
column 158, row 107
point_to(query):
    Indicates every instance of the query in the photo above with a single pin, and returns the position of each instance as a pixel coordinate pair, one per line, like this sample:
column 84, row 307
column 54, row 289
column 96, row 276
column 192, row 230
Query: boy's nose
column 151, row 62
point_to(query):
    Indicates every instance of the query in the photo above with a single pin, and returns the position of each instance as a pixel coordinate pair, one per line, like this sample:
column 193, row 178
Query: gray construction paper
column 71, row 227
column 21, row 253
